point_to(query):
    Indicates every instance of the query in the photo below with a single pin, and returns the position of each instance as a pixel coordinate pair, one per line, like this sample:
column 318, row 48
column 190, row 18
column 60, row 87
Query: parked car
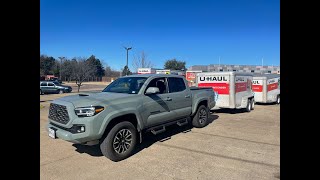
column 117, row 116
column 47, row 87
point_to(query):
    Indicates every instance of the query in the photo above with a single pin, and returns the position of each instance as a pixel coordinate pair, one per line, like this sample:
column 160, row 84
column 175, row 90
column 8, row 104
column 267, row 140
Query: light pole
column 60, row 66
column 127, row 58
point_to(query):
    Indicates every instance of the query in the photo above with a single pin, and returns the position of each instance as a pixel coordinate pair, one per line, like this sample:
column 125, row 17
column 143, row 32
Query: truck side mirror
column 152, row 90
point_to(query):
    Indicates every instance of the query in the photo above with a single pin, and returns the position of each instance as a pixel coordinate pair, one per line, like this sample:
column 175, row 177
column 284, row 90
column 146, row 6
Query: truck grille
column 58, row 113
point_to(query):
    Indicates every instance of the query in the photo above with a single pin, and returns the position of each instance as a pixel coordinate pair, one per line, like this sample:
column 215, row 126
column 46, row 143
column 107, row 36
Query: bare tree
column 109, row 72
column 141, row 61
column 81, row 70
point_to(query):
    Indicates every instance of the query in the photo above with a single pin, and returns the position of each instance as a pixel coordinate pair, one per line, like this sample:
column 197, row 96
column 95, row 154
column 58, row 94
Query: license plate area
column 52, row 133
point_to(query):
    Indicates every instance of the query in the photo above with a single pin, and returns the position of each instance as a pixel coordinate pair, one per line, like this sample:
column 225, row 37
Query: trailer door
column 273, row 89
column 257, row 87
column 219, row 83
column 243, row 85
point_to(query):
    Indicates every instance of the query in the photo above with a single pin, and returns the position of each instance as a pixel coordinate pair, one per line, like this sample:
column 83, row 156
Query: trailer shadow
column 266, row 104
column 147, row 138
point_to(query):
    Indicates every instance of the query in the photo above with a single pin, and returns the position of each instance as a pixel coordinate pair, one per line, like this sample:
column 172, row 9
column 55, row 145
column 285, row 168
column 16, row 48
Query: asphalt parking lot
column 232, row 146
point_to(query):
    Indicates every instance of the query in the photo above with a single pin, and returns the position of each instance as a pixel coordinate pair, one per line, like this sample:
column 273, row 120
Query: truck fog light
column 82, row 129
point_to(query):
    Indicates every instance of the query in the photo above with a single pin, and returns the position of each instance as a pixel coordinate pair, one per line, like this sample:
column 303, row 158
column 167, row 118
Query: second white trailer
column 234, row 89
column 266, row 88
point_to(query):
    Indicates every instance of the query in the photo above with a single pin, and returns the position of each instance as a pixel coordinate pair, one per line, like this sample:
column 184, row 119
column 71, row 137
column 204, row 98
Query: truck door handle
column 168, row 99
column 187, row 96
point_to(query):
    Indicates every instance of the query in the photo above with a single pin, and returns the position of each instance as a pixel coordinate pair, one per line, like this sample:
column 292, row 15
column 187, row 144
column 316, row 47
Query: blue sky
column 196, row 31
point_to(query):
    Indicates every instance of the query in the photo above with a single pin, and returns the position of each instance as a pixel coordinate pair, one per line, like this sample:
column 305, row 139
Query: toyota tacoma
column 116, row 117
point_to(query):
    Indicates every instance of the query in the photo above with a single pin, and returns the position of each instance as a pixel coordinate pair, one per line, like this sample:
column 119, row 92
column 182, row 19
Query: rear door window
column 176, row 85
column 50, row 84
column 159, row 83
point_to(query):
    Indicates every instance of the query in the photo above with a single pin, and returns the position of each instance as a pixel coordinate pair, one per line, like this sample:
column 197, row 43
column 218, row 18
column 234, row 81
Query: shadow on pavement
column 147, row 138
column 229, row 111
column 266, row 104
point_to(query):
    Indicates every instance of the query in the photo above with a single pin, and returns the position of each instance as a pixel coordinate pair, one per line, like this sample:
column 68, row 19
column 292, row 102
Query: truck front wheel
column 200, row 119
column 120, row 141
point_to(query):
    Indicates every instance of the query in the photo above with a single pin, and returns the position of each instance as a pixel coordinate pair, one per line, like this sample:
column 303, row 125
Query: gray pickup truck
column 116, row 117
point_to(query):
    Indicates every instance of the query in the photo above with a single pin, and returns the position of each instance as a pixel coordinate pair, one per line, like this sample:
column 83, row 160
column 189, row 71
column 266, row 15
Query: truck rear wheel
column 120, row 141
column 248, row 108
column 200, row 119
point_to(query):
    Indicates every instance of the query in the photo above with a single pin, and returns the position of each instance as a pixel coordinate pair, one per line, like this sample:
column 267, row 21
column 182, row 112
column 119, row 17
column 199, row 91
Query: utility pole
column 262, row 66
column 60, row 66
column 127, row 58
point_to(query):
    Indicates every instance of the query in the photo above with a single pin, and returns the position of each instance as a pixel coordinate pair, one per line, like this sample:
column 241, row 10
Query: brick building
column 237, row 68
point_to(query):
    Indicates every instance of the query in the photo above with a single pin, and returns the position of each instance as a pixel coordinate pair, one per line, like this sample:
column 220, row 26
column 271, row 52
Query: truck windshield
column 129, row 85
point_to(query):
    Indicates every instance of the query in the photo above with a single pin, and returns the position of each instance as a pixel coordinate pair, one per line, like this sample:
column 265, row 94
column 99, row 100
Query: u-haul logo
column 255, row 82
column 213, row 78
column 274, row 80
column 239, row 79
column 143, row 70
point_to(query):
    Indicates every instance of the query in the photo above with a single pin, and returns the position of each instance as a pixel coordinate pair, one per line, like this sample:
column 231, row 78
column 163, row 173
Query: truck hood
column 88, row 99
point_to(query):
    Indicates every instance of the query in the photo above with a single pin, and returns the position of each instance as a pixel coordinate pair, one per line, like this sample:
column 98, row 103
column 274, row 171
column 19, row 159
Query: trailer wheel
column 278, row 99
column 248, row 108
column 252, row 103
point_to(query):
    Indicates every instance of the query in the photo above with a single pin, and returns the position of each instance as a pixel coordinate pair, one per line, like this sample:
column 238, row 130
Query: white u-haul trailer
column 234, row 89
column 163, row 71
column 266, row 88
column 146, row 71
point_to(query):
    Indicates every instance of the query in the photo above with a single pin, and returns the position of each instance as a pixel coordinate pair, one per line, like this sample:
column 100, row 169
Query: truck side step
column 182, row 122
column 158, row 130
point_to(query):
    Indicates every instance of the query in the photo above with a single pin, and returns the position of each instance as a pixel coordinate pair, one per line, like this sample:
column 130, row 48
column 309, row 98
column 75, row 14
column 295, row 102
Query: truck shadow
column 229, row 111
column 267, row 104
column 147, row 138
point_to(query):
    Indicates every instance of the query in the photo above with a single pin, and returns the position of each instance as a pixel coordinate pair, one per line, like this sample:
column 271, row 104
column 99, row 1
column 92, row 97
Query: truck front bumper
column 74, row 134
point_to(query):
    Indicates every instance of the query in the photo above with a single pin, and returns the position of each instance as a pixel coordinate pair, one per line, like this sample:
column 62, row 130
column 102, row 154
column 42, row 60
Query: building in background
column 236, row 68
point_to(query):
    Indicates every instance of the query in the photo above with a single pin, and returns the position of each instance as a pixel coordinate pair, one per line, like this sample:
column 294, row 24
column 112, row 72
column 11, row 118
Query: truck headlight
column 88, row 111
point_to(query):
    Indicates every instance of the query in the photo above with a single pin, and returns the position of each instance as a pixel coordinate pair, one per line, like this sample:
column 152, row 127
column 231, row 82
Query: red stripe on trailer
column 272, row 86
column 220, row 88
column 241, row 87
column 257, row 88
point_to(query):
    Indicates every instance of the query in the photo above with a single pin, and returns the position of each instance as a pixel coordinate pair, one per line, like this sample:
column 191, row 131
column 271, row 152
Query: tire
column 61, row 91
column 278, row 99
column 112, row 146
column 41, row 92
column 200, row 119
column 248, row 108
column 252, row 104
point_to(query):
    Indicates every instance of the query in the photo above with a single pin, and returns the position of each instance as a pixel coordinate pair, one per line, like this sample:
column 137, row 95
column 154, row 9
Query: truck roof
column 155, row 75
